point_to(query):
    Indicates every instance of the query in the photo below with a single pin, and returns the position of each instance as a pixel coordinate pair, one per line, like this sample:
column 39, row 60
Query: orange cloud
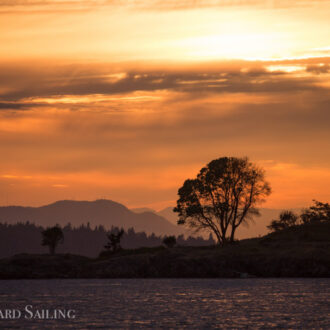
column 125, row 105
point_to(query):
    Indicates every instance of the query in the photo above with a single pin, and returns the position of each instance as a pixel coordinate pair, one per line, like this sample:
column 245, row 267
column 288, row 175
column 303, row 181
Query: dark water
column 170, row 303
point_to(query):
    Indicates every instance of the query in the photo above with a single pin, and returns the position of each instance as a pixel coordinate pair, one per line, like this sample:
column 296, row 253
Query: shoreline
column 298, row 252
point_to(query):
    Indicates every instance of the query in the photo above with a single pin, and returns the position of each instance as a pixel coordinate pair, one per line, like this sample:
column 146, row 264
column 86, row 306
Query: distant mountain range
column 255, row 228
column 99, row 212
column 109, row 213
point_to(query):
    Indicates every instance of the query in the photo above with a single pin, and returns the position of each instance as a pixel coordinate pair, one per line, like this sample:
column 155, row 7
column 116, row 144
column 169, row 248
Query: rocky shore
column 302, row 251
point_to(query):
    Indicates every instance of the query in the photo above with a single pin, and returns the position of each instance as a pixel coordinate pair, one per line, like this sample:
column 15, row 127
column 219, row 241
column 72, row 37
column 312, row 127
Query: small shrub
column 169, row 241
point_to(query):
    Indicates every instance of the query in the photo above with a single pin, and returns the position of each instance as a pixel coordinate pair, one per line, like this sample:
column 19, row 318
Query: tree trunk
column 52, row 249
column 232, row 235
column 219, row 238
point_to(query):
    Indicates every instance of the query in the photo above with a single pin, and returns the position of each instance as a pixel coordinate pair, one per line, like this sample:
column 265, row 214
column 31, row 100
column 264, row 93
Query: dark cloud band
column 33, row 81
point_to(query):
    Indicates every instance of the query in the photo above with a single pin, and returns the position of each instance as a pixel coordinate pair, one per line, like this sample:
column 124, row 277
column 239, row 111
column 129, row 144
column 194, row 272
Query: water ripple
column 173, row 303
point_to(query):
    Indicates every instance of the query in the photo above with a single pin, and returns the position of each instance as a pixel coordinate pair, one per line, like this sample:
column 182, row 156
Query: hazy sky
column 127, row 99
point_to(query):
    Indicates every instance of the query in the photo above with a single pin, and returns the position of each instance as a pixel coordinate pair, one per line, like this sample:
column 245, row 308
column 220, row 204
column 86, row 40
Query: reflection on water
column 174, row 303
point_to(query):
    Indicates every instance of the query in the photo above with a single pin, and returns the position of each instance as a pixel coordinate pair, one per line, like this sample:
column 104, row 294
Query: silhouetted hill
column 143, row 209
column 258, row 225
column 168, row 214
column 99, row 212
column 302, row 251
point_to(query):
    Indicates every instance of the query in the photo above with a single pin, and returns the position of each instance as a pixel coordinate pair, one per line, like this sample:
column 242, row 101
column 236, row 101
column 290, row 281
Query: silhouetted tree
column 114, row 238
column 51, row 237
column 169, row 241
column 319, row 212
column 287, row 219
column 223, row 196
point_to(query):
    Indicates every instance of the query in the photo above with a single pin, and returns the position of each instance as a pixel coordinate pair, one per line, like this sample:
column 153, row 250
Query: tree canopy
column 114, row 238
column 319, row 212
column 169, row 241
column 287, row 219
column 51, row 237
column 224, row 194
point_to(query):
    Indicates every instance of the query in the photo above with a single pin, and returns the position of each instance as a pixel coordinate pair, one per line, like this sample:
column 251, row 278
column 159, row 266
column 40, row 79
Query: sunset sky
column 125, row 100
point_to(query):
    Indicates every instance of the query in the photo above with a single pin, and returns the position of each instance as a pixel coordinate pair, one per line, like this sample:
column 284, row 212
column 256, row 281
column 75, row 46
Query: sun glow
column 233, row 46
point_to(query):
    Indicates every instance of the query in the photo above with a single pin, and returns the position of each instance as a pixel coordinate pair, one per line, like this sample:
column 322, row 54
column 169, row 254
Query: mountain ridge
column 99, row 212
column 110, row 213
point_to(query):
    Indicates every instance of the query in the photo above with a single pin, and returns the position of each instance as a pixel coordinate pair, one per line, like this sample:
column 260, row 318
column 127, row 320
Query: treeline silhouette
column 83, row 240
column 318, row 212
